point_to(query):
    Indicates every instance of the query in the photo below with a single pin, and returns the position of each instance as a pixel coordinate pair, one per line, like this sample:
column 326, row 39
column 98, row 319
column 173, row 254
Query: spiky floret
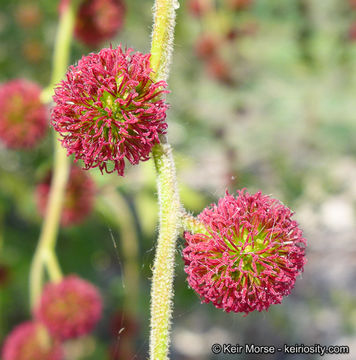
column 30, row 341
column 70, row 308
column 23, row 118
column 250, row 255
column 78, row 198
column 109, row 109
column 99, row 20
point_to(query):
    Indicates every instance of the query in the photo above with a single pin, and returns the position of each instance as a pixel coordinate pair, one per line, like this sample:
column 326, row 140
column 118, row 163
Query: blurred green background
column 276, row 114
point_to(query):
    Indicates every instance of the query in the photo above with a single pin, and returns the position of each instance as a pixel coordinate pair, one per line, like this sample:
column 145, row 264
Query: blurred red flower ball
column 70, row 308
column 23, row 117
column 28, row 15
column 98, row 20
column 29, row 341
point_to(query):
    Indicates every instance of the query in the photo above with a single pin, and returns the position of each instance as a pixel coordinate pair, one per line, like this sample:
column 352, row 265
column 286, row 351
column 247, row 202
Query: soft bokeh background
column 276, row 114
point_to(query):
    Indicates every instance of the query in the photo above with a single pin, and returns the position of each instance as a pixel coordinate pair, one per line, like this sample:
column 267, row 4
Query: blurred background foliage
column 273, row 110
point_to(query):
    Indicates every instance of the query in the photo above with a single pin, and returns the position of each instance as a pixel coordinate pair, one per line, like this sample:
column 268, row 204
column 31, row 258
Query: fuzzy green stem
column 169, row 213
column 163, row 268
column 162, row 37
column 45, row 254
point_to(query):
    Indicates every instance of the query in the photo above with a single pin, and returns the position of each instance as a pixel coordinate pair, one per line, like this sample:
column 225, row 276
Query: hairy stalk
column 45, row 254
column 169, row 213
column 162, row 37
column 163, row 268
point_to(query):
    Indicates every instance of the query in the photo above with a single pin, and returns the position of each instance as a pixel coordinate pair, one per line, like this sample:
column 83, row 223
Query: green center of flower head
column 249, row 245
column 248, row 253
column 108, row 101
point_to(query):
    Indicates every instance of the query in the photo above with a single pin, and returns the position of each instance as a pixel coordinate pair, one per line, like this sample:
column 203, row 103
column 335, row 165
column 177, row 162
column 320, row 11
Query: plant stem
column 45, row 254
column 45, row 250
column 163, row 268
column 162, row 37
column 169, row 213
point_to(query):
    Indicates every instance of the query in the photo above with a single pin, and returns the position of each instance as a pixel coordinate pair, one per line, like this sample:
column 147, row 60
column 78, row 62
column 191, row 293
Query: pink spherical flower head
column 23, row 118
column 109, row 109
column 31, row 341
column 71, row 308
column 99, row 20
column 250, row 255
column 78, row 199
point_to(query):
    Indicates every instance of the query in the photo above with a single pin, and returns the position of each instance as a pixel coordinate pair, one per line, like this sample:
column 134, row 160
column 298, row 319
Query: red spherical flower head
column 23, row 118
column 71, row 308
column 109, row 109
column 99, row 20
column 250, row 255
column 78, row 199
column 31, row 341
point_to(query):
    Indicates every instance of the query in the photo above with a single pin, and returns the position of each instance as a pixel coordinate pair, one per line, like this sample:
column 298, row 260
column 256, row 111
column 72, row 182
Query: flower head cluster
column 250, row 255
column 99, row 20
column 23, row 118
column 108, row 109
column 78, row 200
column 29, row 341
column 70, row 308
